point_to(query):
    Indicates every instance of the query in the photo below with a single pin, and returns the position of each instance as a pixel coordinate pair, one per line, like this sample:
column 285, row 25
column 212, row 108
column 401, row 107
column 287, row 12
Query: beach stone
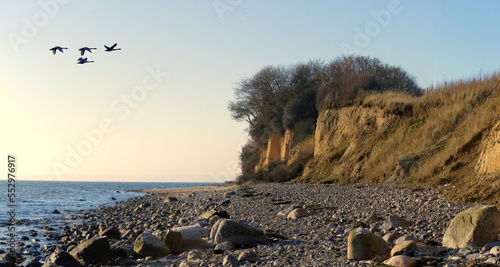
column 92, row 251
column 192, row 236
column 147, row 244
column 63, row 258
column 475, row 226
column 394, row 221
column 400, row 261
column 299, row 213
column 171, row 238
column 9, row 256
column 364, row 245
column 404, row 239
column 194, row 255
column 495, row 250
column 118, row 252
column 491, row 261
column 171, row 199
column 390, row 237
column 225, row 203
column 209, row 214
column 402, row 248
column 31, row 263
column 428, row 251
column 213, row 220
column 249, row 255
column 190, row 263
column 224, row 246
column 5, row 263
column 111, row 233
column 287, row 211
column 230, row 260
column 372, row 219
column 192, row 232
column 236, row 232
column 130, row 234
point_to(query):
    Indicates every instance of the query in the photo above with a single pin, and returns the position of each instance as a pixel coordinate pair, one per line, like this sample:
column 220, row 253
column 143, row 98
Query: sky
column 156, row 110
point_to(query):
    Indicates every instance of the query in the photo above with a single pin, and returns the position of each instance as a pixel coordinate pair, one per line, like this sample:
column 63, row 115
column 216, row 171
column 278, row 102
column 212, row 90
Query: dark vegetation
column 279, row 98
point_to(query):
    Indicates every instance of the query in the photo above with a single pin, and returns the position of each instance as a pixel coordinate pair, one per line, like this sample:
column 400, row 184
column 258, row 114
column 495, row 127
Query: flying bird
column 83, row 49
column 83, row 61
column 111, row 48
column 57, row 48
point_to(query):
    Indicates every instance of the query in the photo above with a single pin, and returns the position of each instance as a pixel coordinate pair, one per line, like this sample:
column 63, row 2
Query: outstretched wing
column 113, row 46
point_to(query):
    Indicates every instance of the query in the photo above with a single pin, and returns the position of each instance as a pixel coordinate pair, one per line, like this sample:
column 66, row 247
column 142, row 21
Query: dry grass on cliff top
column 446, row 127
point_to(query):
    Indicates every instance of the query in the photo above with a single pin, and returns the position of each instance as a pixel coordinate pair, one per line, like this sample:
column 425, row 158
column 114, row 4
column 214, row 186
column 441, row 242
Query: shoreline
column 189, row 189
column 319, row 239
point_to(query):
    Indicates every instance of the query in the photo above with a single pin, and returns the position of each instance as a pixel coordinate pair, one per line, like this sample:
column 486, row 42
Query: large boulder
column 149, row 245
column 171, row 238
column 92, row 251
column 63, row 258
column 5, row 263
column 236, row 232
column 475, row 226
column 192, row 232
column 192, row 236
column 364, row 245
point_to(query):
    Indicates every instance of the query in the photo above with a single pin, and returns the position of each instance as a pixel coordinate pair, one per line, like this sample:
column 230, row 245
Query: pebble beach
column 315, row 236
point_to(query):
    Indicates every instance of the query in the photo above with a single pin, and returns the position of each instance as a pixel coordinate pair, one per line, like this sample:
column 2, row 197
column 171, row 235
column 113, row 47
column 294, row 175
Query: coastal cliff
column 449, row 136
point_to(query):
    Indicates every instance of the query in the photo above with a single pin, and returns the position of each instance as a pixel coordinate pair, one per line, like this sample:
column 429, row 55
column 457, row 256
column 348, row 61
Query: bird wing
column 60, row 49
column 113, row 46
column 53, row 51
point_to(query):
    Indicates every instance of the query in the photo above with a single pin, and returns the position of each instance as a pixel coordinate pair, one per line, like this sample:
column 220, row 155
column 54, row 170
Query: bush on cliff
column 278, row 98
column 351, row 78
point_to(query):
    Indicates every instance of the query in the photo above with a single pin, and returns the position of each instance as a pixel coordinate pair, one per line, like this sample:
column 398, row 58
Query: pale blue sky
column 181, row 130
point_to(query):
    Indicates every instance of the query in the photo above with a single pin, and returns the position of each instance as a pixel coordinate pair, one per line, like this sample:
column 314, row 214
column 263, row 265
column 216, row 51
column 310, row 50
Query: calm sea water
column 36, row 200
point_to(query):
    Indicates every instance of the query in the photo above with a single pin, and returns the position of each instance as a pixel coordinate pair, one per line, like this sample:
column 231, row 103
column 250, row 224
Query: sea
column 36, row 202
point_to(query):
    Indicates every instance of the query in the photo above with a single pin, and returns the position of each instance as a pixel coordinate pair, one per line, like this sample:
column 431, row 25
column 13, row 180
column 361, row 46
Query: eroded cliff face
column 340, row 145
column 489, row 159
column 336, row 128
column 338, row 134
column 346, row 147
column 277, row 150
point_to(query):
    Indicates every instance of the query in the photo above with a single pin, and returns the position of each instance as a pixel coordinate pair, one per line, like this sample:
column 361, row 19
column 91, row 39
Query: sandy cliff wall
column 335, row 127
column 489, row 160
column 342, row 141
column 277, row 150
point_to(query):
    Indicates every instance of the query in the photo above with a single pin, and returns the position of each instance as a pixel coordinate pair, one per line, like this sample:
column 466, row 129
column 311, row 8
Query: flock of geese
column 82, row 50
